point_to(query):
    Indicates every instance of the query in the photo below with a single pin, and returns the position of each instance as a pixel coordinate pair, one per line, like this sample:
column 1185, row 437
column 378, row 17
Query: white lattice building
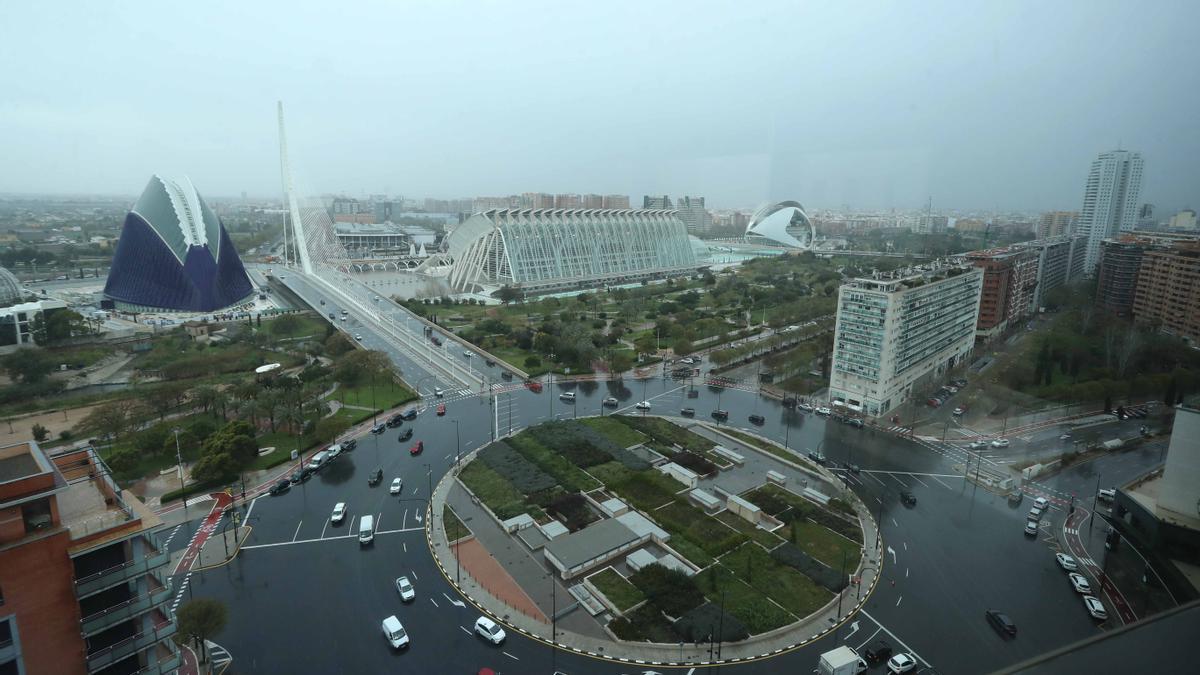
column 542, row 250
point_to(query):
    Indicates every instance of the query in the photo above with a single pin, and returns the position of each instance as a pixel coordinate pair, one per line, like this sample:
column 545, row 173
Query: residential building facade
column 1059, row 262
column 616, row 201
column 1110, row 201
column 83, row 574
column 693, row 214
column 1056, row 224
column 895, row 331
column 1168, row 291
column 1117, row 273
column 1009, row 282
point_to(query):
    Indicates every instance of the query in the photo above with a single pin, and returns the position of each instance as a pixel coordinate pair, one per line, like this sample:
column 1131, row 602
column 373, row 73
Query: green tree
column 123, row 460
column 286, row 324
column 28, row 365
column 111, row 419
column 199, row 620
column 40, row 433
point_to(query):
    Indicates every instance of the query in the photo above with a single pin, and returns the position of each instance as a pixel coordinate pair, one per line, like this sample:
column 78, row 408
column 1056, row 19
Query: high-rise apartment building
column 693, row 214
column 1117, row 273
column 1184, row 220
column 593, row 202
column 894, row 331
column 1059, row 262
column 1168, row 291
column 1110, row 201
column 1056, row 224
column 83, row 576
column 481, row 204
column 567, row 201
column 537, row 200
column 1009, row 280
column 616, row 201
column 656, row 202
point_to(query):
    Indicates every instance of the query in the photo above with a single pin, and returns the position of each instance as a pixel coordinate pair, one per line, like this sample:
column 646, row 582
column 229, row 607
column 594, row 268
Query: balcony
column 124, row 610
column 119, row 573
column 130, row 645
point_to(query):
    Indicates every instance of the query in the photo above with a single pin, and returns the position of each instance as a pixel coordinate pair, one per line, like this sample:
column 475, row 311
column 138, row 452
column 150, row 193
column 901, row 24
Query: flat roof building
column 1167, row 295
column 896, row 330
column 82, row 570
column 1009, row 280
column 1060, row 262
column 1117, row 273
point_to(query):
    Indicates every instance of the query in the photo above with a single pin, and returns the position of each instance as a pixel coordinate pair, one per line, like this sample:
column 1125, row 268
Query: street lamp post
column 1092, row 518
column 457, row 443
column 179, row 459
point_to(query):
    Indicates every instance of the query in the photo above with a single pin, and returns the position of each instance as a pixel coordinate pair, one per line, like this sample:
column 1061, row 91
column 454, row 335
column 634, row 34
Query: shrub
column 646, row 623
column 123, row 460
column 532, row 362
column 794, row 557
column 670, row 590
column 523, row 474
column 40, row 433
column 696, row 463
column 698, row 624
column 573, row 509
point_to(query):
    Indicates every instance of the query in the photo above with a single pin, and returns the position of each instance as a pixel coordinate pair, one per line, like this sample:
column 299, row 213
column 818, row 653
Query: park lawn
column 783, row 584
column 825, row 544
column 306, row 325
column 455, row 528
column 617, row 589
column 494, row 490
column 610, row 473
column 646, row 623
column 381, row 396
column 617, row 430
column 767, row 539
column 647, row 490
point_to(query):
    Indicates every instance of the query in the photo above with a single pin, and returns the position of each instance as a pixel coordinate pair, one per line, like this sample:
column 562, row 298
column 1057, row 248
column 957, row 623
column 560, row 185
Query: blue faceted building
column 175, row 255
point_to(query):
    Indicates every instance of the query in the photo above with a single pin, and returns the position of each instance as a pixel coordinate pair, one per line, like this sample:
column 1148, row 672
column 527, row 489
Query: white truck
column 841, row 661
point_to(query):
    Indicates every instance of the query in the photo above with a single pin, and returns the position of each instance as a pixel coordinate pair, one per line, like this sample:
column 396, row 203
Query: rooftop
column 593, row 541
column 915, row 275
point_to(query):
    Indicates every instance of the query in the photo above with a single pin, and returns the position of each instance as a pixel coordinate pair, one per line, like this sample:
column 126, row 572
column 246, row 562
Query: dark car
column 410, row 414
column 688, row 412
column 406, row 435
column 1001, row 623
column 852, row 468
column 332, row 316
column 757, row 419
column 489, row 362
column 720, row 414
column 395, row 420
column 854, row 422
column 378, row 428
column 281, row 487
column 693, row 393
column 349, row 445
column 505, row 375
column 878, row 650
column 960, row 383
column 907, row 498
column 297, row 476
column 375, row 477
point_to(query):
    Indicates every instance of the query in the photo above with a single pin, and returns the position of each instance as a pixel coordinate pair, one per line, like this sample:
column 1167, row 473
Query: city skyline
column 984, row 120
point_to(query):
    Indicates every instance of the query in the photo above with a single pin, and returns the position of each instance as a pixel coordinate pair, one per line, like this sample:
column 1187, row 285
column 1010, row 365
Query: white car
column 397, row 486
column 1031, row 528
column 1000, row 443
column 1080, row 583
column 975, row 445
column 824, row 411
column 439, row 393
column 1095, row 607
column 644, row 405
column 805, row 407
column 901, row 663
column 489, row 630
column 339, row 513
column 567, row 396
column 611, row 402
column 1106, row 495
column 393, row 631
column 358, row 337
column 1035, row 514
column 958, row 411
column 1041, row 503
column 468, row 353
column 405, row 587
column 1066, row 562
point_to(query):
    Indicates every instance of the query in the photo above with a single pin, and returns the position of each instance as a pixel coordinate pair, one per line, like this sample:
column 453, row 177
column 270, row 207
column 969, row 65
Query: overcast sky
column 1000, row 104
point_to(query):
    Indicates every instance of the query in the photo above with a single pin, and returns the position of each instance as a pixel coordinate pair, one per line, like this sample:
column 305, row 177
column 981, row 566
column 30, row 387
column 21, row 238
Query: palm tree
column 206, row 396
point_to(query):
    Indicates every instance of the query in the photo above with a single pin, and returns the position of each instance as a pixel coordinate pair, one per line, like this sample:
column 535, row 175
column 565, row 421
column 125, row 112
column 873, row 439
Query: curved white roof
column 783, row 224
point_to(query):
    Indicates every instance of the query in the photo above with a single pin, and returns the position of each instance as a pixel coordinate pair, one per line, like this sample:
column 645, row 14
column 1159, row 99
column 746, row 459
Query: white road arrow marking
column 456, row 603
column 853, row 630
column 417, row 516
column 893, row 552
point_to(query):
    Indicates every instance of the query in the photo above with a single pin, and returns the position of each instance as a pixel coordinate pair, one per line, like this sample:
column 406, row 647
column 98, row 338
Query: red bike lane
column 206, row 529
column 1078, row 551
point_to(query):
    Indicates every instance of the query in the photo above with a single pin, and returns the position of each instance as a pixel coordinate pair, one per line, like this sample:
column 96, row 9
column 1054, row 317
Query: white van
column 394, row 633
column 317, row 460
column 333, row 451
column 366, row 530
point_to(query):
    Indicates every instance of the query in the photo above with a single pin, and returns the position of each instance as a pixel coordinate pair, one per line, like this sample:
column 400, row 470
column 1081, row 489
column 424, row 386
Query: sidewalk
column 814, row 626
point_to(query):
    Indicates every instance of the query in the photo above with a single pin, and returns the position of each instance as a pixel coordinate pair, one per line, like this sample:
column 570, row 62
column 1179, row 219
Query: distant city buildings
column 1009, row 283
column 1110, row 201
column 1056, row 224
column 568, row 201
column 693, row 214
column 593, row 202
column 616, row 201
column 656, row 202
column 897, row 330
column 1184, row 220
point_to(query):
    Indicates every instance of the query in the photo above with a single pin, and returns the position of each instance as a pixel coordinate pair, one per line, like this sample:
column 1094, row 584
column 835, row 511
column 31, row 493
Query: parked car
column 1031, row 528
column 1066, row 562
column 375, row 477
column 643, row 405
column 901, row 663
column 408, row 433
column 568, row 396
column 1000, row 621
column 1041, row 503
column 441, row 409
column 280, row 487
column 907, row 498
column 505, row 375
column 611, row 402
column 958, row 411
column 805, row 407
column 976, row 445
column 393, row 631
column 960, row 383
column 720, row 414
column 405, row 588
column 1080, row 583
column 757, row 419
column 817, row 457
column 395, row 420
column 688, row 412
column 379, row 428
column 397, row 486
column 349, row 444
column 410, row 414
column 339, row 513
column 297, row 476
column 824, row 411
column 489, row 630
column 878, row 650
column 1106, row 494
column 417, row 449
column 854, row 422
column 1000, row 443
column 1095, row 607
column 1035, row 514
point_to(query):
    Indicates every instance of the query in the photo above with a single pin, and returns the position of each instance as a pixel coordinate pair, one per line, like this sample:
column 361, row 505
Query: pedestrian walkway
column 483, row 565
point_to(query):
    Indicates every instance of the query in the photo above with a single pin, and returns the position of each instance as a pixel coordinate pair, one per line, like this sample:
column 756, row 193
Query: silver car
column 405, row 588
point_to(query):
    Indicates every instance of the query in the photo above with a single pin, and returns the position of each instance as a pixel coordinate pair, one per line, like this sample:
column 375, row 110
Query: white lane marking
column 510, row 656
column 415, row 575
column 905, row 572
column 405, row 545
column 876, row 478
column 435, row 603
column 941, row 483
column 297, row 532
column 905, row 545
column 323, row 529
column 893, row 552
column 853, row 630
column 898, row 600
column 309, row 541
column 249, row 510
column 864, row 642
column 416, row 490
column 898, row 480
column 914, row 477
column 463, row 629
column 910, row 650
column 404, row 520
column 403, row 529
column 895, row 523
column 378, row 520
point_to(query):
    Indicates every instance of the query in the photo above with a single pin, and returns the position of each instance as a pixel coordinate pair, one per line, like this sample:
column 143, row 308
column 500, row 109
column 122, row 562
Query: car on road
column 395, row 421
column 489, row 362
column 611, row 402
column 1106, row 494
column 439, row 393
column 824, row 411
column 468, row 353
column 1095, row 607
column 1031, row 528
column 489, row 630
column 878, row 650
column 417, row 449
column 332, row 316
column 907, row 498
column 405, row 588
column 568, row 396
column 349, row 445
column 692, row 393
column 976, row 445
column 901, row 663
column 505, row 375
column 375, row 477
column 805, row 407
column 397, row 486
column 1035, row 514
column 339, row 513
column 852, row 468
column 1065, row 437
column 1000, row 443
column 406, row 435
column 757, row 419
column 280, row 487
column 410, row 414
column 720, row 414
column 299, row 476
column 441, row 409
column 322, row 302
column 393, row 631
column 958, row 411
column 1000, row 621
column 643, row 405
column 379, row 428
column 817, row 457
column 1041, row 503
column 1066, row 562
column 854, row 422
column 343, row 317
column 1080, row 583
column 535, row 387
column 960, row 383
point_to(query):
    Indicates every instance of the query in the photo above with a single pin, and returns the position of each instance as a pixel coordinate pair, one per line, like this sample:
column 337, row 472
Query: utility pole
column 179, row 459
column 1092, row 518
column 457, row 444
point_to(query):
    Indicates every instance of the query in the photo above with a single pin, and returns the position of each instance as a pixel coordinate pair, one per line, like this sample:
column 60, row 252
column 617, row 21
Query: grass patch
column 611, row 473
column 616, row 429
column 797, row 593
column 454, row 527
column 568, row 475
column 723, row 587
column 668, row 433
column 497, row 493
column 706, row 532
column 779, row 452
column 382, row 396
column 617, row 589
column 644, row 624
column 824, row 544
column 767, row 539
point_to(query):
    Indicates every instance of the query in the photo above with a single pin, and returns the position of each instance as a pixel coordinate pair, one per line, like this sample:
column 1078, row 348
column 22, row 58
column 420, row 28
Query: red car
column 535, row 387
column 441, row 409
column 417, row 449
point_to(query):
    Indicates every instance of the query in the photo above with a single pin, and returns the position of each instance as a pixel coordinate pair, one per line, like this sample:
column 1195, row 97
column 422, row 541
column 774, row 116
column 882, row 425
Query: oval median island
column 655, row 533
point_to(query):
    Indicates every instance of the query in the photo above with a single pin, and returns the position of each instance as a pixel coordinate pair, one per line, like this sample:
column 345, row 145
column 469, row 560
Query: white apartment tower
column 896, row 330
column 1110, row 201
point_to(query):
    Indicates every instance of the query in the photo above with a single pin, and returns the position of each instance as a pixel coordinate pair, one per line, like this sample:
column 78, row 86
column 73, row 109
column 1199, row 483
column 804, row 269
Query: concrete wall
column 1180, row 487
column 681, row 474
